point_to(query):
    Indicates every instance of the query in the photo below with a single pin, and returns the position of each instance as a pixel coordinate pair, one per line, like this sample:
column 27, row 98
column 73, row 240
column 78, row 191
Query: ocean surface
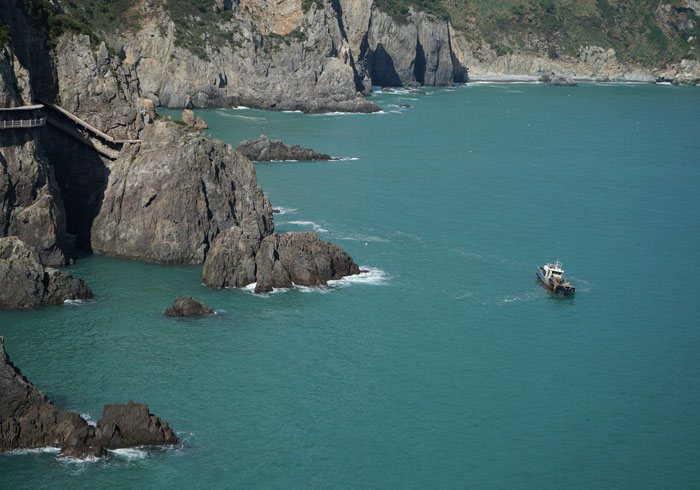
column 448, row 366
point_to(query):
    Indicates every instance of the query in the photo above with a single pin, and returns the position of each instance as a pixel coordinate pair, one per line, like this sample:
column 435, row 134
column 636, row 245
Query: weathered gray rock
column 30, row 201
column 168, row 198
column 279, row 261
column 25, row 283
column 97, row 87
column 131, row 425
column 263, row 149
column 186, row 306
column 559, row 81
column 28, row 420
column 231, row 261
column 283, row 58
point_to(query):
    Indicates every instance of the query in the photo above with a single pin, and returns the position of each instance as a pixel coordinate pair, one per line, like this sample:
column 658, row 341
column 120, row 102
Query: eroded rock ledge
column 29, row 420
column 25, row 283
column 263, row 149
column 279, row 261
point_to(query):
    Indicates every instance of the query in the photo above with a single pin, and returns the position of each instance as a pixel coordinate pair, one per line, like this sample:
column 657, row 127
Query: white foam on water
column 313, row 225
column 373, row 276
column 248, row 118
column 282, row 210
column 344, row 159
column 129, row 454
column 88, row 419
column 365, row 238
column 74, row 302
column 36, row 450
column 240, row 108
column 72, row 460
column 290, row 112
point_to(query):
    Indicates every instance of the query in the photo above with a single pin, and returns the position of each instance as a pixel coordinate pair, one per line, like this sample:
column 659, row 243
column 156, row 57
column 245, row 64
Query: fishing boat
column 552, row 277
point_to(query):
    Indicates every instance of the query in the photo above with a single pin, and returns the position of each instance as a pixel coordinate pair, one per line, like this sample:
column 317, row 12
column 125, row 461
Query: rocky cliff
column 168, row 198
column 282, row 55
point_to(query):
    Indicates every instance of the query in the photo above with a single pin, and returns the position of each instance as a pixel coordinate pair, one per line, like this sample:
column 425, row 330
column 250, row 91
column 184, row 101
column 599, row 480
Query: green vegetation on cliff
column 5, row 35
column 54, row 24
column 651, row 32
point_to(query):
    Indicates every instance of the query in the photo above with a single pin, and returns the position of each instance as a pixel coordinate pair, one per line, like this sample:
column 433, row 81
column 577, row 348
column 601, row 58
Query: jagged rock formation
column 168, row 197
column 28, row 419
column 25, row 283
column 188, row 306
column 279, row 261
column 280, row 57
column 189, row 120
column 31, row 206
column 263, row 149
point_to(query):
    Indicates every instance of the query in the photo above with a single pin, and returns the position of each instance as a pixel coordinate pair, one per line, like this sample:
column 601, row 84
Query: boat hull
column 553, row 287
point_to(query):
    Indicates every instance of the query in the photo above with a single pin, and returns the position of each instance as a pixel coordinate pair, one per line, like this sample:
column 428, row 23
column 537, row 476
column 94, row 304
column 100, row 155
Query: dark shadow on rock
column 419, row 63
column 382, row 70
column 81, row 174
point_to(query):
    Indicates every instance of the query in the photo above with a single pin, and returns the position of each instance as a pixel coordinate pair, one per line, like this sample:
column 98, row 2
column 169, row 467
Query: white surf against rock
column 313, row 225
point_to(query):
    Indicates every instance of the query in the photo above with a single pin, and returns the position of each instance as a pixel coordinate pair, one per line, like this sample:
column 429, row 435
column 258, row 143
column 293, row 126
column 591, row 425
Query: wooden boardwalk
column 65, row 121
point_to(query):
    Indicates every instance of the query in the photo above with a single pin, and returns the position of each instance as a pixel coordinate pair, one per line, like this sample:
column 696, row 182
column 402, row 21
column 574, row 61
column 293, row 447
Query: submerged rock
column 188, row 306
column 263, row 149
column 279, row 261
column 25, row 283
column 28, row 420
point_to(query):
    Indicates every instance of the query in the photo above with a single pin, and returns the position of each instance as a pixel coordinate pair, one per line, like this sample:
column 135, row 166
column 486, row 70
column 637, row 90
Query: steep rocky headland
column 103, row 172
column 29, row 420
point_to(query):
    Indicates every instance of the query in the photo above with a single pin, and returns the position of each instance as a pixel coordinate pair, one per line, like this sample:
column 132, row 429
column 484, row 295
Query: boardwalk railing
column 66, row 122
column 23, row 123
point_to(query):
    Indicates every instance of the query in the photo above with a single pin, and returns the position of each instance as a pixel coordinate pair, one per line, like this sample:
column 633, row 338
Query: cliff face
column 276, row 56
column 592, row 63
column 31, row 206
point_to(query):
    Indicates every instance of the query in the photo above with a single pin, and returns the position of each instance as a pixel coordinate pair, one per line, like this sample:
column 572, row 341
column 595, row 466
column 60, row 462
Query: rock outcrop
column 279, row 261
column 28, row 420
column 31, row 206
column 263, row 149
column 168, row 197
column 25, row 283
column 186, row 306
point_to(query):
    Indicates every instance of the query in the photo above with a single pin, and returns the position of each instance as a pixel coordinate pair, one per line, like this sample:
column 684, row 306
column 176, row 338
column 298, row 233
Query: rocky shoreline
column 29, row 420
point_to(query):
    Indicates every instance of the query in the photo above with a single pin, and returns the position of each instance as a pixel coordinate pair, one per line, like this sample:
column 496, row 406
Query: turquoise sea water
column 449, row 366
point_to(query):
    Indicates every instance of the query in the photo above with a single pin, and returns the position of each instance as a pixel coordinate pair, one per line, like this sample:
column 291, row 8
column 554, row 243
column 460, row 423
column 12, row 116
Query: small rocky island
column 187, row 306
column 29, row 420
column 263, row 149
